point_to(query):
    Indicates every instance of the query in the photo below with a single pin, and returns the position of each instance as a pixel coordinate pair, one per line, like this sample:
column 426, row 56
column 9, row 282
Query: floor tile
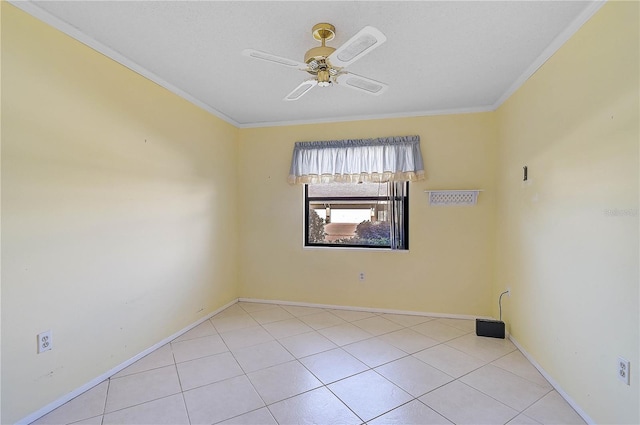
column 449, row 360
column 260, row 416
column 487, row 349
column 413, row 376
column 261, row 356
column 271, row 315
column 345, row 334
column 87, row 405
column 333, row 365
column 462, row 404
column 307, row 344
column 553, row 409
column 414, row 412
column 161, row 357
column 510, row 389
column 96, row 420
column 203, row 329
column 299, row 311
column 409, row 340
column 222, row 400
column 314, row 365
column 466, row 325
column 246, row 337
column 377, row 325
column 207, row 370
column 232, row 323
column 406, row 319
column 170, row 410
column 285, row 328
column 516, row 363
column 374, row 352
column 142, row 387
column 200, row 347
column 352, row 315
column 322, row 320
column 283, row 381
column 438, row 331
column 251, row 307
column 522, row 419
column 318, row 406
column 369, row 395
column 232, row 310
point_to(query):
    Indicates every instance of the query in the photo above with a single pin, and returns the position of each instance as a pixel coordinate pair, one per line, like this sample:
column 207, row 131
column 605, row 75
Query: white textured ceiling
column 440, row 57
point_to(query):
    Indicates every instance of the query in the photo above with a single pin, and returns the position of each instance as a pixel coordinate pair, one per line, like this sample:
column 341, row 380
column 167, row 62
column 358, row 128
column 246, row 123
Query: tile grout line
column 370, row 368
column 154, row 399
column 342, row 401
column 184, row 400
column 106, row 396
column 337, row 346
column 407, row 355
column 323, row 385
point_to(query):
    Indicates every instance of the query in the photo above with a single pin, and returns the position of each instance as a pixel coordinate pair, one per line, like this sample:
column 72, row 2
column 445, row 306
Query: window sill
column 358, row 248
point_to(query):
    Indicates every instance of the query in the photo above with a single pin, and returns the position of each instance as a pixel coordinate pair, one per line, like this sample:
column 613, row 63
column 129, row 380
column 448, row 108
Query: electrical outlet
column 45, row 342
column 508, row 291
column 623, row 370
column 361, row 276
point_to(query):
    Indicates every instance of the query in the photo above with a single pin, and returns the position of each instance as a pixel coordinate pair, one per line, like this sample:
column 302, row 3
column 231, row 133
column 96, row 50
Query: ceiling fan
column 326, row 63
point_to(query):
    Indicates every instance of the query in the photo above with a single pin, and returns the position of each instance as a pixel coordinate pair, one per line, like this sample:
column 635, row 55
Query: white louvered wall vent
column 453, row 197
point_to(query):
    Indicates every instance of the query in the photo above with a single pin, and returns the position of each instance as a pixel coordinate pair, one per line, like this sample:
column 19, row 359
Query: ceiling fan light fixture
column 324, row 79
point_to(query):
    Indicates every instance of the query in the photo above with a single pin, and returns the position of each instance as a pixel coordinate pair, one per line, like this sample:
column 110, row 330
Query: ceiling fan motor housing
column 316, row 58
column 320, row 52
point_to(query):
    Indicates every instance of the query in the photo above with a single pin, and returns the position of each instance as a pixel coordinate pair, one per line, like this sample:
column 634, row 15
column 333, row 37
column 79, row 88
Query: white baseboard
column 553, row 383
column 371, row 310
column 73, row 394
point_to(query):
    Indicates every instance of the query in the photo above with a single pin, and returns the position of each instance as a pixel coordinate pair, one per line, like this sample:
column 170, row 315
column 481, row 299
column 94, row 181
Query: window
column 356, row 190
column 362, row 215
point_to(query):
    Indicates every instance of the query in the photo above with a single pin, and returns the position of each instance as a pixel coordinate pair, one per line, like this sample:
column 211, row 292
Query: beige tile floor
column 259, row 363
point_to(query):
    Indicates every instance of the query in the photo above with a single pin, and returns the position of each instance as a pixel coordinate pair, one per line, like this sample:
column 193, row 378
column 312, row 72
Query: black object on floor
column 490, row 328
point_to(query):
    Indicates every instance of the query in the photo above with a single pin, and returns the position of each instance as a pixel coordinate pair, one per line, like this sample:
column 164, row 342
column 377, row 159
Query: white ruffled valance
column 357, row 160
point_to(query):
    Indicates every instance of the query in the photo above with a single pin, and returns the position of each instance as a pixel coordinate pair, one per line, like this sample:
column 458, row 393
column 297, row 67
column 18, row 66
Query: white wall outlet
column 45, row 342
column 361, row 276
column 508, row 291
column 623, row 370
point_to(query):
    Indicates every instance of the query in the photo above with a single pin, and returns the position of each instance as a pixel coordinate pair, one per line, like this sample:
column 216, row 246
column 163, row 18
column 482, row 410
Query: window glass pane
column 346, row 215
column 349, row 224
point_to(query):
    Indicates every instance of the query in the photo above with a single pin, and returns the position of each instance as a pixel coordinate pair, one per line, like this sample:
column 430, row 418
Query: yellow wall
column 118, row 215
column 568, row 240
column 449, row 267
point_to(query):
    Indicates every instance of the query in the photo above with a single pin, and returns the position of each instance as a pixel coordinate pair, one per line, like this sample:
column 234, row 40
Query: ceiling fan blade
column 367, row 39
column 364, row 84
column 257, row 54
column 299, row 91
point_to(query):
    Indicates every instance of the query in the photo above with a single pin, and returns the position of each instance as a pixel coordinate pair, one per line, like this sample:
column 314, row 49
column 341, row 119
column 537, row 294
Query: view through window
column 352, row 214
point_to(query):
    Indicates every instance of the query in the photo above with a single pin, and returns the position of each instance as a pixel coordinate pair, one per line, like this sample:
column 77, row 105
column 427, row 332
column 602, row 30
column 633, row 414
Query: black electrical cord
column 500, row 303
